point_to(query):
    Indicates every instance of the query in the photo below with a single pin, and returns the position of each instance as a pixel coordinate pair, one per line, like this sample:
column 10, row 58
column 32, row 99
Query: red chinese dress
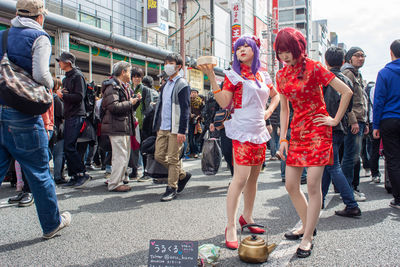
column 310, row 145
column 247, row 127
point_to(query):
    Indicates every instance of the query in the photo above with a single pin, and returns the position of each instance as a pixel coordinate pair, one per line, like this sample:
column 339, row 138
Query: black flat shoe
column 292, row 236
column 302, row 253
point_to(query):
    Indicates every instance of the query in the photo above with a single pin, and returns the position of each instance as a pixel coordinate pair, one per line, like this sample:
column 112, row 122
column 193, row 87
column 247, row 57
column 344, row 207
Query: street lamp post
column 182, row 5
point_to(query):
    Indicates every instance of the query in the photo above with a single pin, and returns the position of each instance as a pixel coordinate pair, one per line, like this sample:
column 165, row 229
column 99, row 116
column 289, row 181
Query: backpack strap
column 5, row 39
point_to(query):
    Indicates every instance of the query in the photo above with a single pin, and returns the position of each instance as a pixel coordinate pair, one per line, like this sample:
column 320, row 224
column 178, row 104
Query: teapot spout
column 271, row 248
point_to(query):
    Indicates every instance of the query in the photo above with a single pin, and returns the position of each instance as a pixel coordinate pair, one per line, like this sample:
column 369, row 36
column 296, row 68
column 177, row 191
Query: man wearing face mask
column 171, row 122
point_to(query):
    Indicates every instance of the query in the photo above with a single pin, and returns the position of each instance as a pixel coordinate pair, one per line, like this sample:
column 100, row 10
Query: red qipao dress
column 310, row 145
column 247, row 127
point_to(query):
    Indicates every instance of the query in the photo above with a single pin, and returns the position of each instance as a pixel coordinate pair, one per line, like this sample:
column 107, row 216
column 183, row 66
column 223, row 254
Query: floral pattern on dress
column 237, row 89
column 249, row 154
column 310, row 145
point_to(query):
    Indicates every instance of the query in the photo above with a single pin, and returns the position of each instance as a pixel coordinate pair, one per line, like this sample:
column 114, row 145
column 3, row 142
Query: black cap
column 67, row 57
column 351, row 52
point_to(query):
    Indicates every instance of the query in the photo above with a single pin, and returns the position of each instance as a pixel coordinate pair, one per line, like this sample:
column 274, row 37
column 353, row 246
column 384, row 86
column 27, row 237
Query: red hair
column 293, row 41
column 290, row 40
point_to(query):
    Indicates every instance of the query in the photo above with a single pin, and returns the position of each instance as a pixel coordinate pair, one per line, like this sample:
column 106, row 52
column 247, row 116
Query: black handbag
column 18, row 89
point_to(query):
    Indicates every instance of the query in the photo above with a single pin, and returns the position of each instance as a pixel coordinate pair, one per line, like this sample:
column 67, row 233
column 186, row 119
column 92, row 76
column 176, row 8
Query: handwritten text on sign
column 173, row 253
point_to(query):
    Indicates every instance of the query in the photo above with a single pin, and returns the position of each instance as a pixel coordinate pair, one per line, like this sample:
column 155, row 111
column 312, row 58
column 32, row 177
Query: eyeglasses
column 360, row 55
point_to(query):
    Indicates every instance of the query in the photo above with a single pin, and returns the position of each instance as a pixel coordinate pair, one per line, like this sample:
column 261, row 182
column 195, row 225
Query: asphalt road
column 114, row 229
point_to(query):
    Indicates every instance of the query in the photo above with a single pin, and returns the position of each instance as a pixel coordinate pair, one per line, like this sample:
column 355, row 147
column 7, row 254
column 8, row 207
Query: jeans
column 58, row 159
column 390, row 132
column 351, row 155
column 274, row 142
column 366, row 150
column 71, row 134
column 193, row 142
column 334, row 173
column 374, row 159
column 23, row 137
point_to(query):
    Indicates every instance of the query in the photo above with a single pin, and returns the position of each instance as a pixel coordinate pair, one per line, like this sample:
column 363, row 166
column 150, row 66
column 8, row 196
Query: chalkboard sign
column 173, row 253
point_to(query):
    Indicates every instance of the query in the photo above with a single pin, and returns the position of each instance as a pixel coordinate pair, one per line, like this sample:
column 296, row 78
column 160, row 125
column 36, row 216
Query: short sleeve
column 228, row 85
column 278, row 83
column 322, row 75
column 236, row 90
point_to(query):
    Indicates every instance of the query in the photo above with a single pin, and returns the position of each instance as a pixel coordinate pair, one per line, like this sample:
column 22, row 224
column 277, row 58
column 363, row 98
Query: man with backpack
column 73, row 93
column 23, row 135
column 334, row 58
column 358, row 120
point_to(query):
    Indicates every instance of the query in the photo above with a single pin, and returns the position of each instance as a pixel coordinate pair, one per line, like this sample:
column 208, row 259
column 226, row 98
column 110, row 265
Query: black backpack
column 90, row 101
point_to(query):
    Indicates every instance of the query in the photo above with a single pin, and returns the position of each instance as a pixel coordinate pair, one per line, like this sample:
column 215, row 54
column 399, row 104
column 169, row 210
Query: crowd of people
column 327, row 123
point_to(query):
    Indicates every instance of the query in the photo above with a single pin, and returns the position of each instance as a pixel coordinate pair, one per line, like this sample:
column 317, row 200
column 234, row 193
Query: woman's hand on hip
column 322, row 120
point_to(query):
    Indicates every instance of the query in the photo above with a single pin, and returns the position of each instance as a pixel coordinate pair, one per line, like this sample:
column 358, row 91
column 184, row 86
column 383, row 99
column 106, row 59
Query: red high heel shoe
column 254, row 230
column 231, row 244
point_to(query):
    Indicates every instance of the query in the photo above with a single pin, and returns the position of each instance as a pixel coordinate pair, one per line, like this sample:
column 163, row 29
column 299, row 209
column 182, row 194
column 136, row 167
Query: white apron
column 247, row 123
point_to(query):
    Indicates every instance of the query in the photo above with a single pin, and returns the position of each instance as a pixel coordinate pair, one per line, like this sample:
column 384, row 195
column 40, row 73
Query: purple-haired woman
column 248, row 91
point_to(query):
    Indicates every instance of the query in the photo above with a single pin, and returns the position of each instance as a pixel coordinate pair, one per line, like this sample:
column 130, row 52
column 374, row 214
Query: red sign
column 275, row 16
column 236, row 22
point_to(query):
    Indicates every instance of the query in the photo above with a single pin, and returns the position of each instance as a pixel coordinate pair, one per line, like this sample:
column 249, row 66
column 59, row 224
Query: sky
column 370, row 24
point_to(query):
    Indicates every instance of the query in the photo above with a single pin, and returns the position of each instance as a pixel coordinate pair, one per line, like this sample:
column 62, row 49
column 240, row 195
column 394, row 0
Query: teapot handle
column 252, row 225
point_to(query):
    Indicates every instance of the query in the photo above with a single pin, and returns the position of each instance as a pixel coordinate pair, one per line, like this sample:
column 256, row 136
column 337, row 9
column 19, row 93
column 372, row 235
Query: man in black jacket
column 334, row 58
column 74, row 87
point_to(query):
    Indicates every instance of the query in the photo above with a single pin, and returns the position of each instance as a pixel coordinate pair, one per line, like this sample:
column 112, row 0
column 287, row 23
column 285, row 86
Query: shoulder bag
column 18, row 89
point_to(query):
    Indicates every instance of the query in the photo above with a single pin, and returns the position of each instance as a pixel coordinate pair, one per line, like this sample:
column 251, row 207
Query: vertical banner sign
column 275, row 16
column 236, row 21
column 152, row 13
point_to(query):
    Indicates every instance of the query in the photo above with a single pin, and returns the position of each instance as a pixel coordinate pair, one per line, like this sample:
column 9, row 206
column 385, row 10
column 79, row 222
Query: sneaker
column 82, row 181
column 395, row 204
column 16, row 199
column 71, row 182
column 367, row 172
column 60, row 181
column 90, row 167
column 170, row 194
column 349, row 212
column 65, row 222
column 144, row 178
column 376, row 179
column 134, row 175
column 26, row 201
column 358, row 196
column 182, row 183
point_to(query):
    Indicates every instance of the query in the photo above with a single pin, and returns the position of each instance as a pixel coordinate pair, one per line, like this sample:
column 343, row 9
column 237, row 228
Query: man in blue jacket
column 386, row 118
column 171, row 120
column 23, row 135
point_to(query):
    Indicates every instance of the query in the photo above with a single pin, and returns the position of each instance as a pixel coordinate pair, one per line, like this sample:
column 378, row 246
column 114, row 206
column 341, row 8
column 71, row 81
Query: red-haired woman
column 300, row 83
column 249, row 90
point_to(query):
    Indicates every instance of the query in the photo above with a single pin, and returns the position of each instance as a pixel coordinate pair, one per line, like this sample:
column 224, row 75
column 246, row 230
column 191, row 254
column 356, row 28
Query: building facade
column 296, row 14
column 320, row 40
column 102, row 32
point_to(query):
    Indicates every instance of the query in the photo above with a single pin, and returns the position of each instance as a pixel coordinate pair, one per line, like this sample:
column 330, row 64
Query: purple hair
column 255, row 65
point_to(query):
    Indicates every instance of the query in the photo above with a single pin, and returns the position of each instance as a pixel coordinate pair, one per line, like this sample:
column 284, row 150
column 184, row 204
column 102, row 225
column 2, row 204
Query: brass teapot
column 254, row 249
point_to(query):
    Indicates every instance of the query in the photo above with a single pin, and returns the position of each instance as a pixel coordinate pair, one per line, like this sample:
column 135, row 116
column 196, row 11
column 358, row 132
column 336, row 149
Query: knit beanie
column 351, row 52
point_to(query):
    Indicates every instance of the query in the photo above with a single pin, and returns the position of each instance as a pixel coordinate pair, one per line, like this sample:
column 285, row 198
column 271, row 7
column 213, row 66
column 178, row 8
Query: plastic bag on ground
column 209, row 254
